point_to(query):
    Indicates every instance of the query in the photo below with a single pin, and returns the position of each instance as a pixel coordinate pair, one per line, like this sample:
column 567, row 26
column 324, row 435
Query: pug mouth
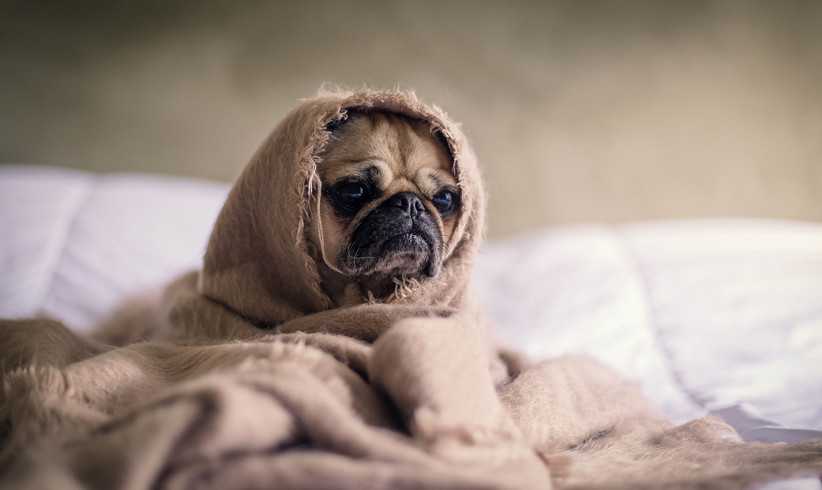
column 406, row 243
column 381, row 248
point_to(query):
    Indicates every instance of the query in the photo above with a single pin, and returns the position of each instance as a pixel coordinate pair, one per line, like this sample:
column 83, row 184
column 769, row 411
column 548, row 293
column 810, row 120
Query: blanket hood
column 257, row 262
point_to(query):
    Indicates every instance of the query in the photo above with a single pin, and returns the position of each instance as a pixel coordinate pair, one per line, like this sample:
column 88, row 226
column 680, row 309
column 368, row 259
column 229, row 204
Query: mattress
column 718, row 316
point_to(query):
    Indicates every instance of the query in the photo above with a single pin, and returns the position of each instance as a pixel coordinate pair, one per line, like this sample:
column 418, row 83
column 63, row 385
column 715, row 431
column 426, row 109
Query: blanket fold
column 244, row 375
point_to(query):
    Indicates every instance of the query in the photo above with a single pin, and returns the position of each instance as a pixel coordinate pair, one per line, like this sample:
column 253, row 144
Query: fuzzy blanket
column 418, row 408
column 244, row 375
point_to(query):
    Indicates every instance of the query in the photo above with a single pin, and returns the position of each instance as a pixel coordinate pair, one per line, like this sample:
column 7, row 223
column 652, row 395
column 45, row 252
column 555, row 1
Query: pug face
column 389, row 203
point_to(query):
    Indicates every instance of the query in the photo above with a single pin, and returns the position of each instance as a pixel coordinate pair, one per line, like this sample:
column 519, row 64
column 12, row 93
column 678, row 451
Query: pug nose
column 408, row 202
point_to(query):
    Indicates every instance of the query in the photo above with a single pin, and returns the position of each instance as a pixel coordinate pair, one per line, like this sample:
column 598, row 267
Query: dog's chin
column 407, row 255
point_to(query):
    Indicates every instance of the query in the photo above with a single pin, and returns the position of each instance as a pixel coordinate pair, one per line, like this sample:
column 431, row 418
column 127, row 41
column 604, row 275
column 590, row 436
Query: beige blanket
column 245, row 376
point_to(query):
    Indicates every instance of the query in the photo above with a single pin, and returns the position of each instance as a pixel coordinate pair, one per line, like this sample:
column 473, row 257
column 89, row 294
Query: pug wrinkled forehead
column 388, row 206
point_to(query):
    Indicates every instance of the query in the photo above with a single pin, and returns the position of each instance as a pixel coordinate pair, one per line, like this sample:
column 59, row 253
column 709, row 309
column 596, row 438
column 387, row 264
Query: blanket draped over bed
column 245, row 375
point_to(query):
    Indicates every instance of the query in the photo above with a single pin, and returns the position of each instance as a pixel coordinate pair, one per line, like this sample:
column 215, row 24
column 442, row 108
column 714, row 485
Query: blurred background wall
column 579, row 110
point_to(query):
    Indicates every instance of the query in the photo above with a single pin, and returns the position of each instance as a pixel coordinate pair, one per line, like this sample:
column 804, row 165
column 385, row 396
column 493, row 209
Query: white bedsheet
column 721, row 315
column 705, row 313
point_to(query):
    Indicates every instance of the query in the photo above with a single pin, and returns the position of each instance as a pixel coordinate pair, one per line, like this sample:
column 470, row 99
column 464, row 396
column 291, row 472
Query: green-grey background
column 578, row 110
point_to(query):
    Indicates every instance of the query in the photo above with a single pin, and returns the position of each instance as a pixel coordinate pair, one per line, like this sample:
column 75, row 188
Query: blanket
column 242, row 375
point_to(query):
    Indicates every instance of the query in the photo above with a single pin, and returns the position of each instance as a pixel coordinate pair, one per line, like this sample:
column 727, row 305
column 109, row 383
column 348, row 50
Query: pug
column 388, row 205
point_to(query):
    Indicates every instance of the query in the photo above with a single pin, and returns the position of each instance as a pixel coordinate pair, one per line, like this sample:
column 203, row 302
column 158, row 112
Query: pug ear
column 341, row 119
column 444, row 142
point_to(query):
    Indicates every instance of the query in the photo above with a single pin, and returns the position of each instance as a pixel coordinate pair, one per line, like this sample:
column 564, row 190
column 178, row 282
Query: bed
column 719, row 316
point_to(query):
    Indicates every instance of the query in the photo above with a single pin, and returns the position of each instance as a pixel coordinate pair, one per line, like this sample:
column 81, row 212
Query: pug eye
column 348, row 197
column 351, row 192
column 445, row 201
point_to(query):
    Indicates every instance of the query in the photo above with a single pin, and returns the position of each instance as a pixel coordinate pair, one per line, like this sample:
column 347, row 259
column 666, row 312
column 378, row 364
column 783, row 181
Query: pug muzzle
column 399, row 237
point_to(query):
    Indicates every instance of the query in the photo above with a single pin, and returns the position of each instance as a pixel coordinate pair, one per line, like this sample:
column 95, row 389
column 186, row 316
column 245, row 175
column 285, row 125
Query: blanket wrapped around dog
column 243, row 375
